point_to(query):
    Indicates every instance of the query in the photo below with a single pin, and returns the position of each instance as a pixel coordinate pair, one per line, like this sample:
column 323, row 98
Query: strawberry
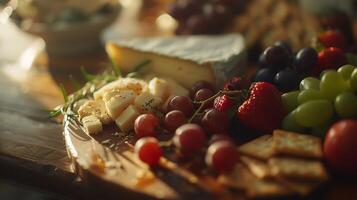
column 332, row 38
column 233, row 84
column 222, row 103
column 330, row 58
column 263, row 110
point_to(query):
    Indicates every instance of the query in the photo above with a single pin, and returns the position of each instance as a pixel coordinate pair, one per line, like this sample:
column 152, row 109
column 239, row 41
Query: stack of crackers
column 275, row 20
column 284, row 163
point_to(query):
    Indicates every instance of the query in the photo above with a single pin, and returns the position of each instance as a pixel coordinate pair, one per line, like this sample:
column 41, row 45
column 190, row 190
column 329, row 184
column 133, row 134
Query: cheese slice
column 92, row 124
column 147, row 102
column 96, row 108
column 119, row 103
column 159, row 88
column 126, row 119
column 186, row 59
column 135, row 85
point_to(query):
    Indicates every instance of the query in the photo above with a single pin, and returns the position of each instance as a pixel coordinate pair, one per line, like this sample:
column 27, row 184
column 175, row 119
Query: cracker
column 242, row 179
column 238, row 178
column 297, row 168
column 296, row 144
column 303, row 188
column 259, row 148
column 257, row 167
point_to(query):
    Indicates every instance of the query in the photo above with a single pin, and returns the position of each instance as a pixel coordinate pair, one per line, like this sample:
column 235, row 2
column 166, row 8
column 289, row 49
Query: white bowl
column 74, row 38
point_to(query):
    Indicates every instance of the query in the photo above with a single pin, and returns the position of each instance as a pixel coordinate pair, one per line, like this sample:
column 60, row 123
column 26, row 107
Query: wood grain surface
column 32, row 147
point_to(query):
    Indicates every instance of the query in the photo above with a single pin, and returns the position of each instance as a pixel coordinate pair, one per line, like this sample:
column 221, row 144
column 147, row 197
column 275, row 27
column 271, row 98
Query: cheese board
column 173, row 119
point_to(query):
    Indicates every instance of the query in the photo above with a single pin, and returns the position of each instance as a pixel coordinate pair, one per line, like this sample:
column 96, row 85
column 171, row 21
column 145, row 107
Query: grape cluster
column 320, row 102
column 280, row 67
column 192, row 121
column 203, row 16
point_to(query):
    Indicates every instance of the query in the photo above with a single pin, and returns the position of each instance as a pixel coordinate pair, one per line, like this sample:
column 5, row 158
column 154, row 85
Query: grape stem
column 221, row 92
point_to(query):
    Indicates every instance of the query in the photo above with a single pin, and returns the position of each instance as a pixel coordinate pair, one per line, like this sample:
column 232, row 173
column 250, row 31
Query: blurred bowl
column 64, row 38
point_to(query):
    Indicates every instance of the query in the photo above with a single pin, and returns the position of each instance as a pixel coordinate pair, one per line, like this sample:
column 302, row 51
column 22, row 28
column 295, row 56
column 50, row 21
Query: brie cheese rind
column 186, row 59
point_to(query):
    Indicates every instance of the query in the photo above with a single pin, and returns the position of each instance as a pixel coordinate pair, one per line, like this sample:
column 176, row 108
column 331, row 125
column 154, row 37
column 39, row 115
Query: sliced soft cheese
column 159, row 88
column 132, row 84
column 175, row 88
column 92, row 124
column 126, row 119
column 118, row 103
column 147, row 102
column 96, row 108
column 186, row 59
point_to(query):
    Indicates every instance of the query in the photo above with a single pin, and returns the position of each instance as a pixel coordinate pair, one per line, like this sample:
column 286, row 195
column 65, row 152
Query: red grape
column 216, row 122
column 217, row 14
column 200, row 85
column 145, row 125
column 148, row 150
column 221, row 156
column 181, row 103
column 198, row 24
column 203, row 94
column 174, row 119
column 189, row 138
column 182, row 9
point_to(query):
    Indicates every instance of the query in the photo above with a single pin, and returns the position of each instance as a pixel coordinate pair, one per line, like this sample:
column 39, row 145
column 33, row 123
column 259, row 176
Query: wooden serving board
column 125, row 175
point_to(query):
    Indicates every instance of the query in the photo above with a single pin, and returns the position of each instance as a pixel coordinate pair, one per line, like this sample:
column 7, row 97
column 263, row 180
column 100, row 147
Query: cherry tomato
column 340, row 149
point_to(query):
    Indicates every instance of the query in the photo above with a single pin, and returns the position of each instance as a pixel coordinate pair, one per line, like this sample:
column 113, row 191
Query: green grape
column 314, row 113
column 310, row 83
column 325, row 71
column 346, row 71
column 309, row 95
column 353, row 80
column 321, row 130
column 332, row 84
column 346, row 105
column 289, row 123
column 289, row 100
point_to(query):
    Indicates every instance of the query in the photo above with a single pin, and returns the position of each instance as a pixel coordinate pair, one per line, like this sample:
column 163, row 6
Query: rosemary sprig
column 87, row 76
column 64, row 93
column 115, row 67
column 75, row 84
